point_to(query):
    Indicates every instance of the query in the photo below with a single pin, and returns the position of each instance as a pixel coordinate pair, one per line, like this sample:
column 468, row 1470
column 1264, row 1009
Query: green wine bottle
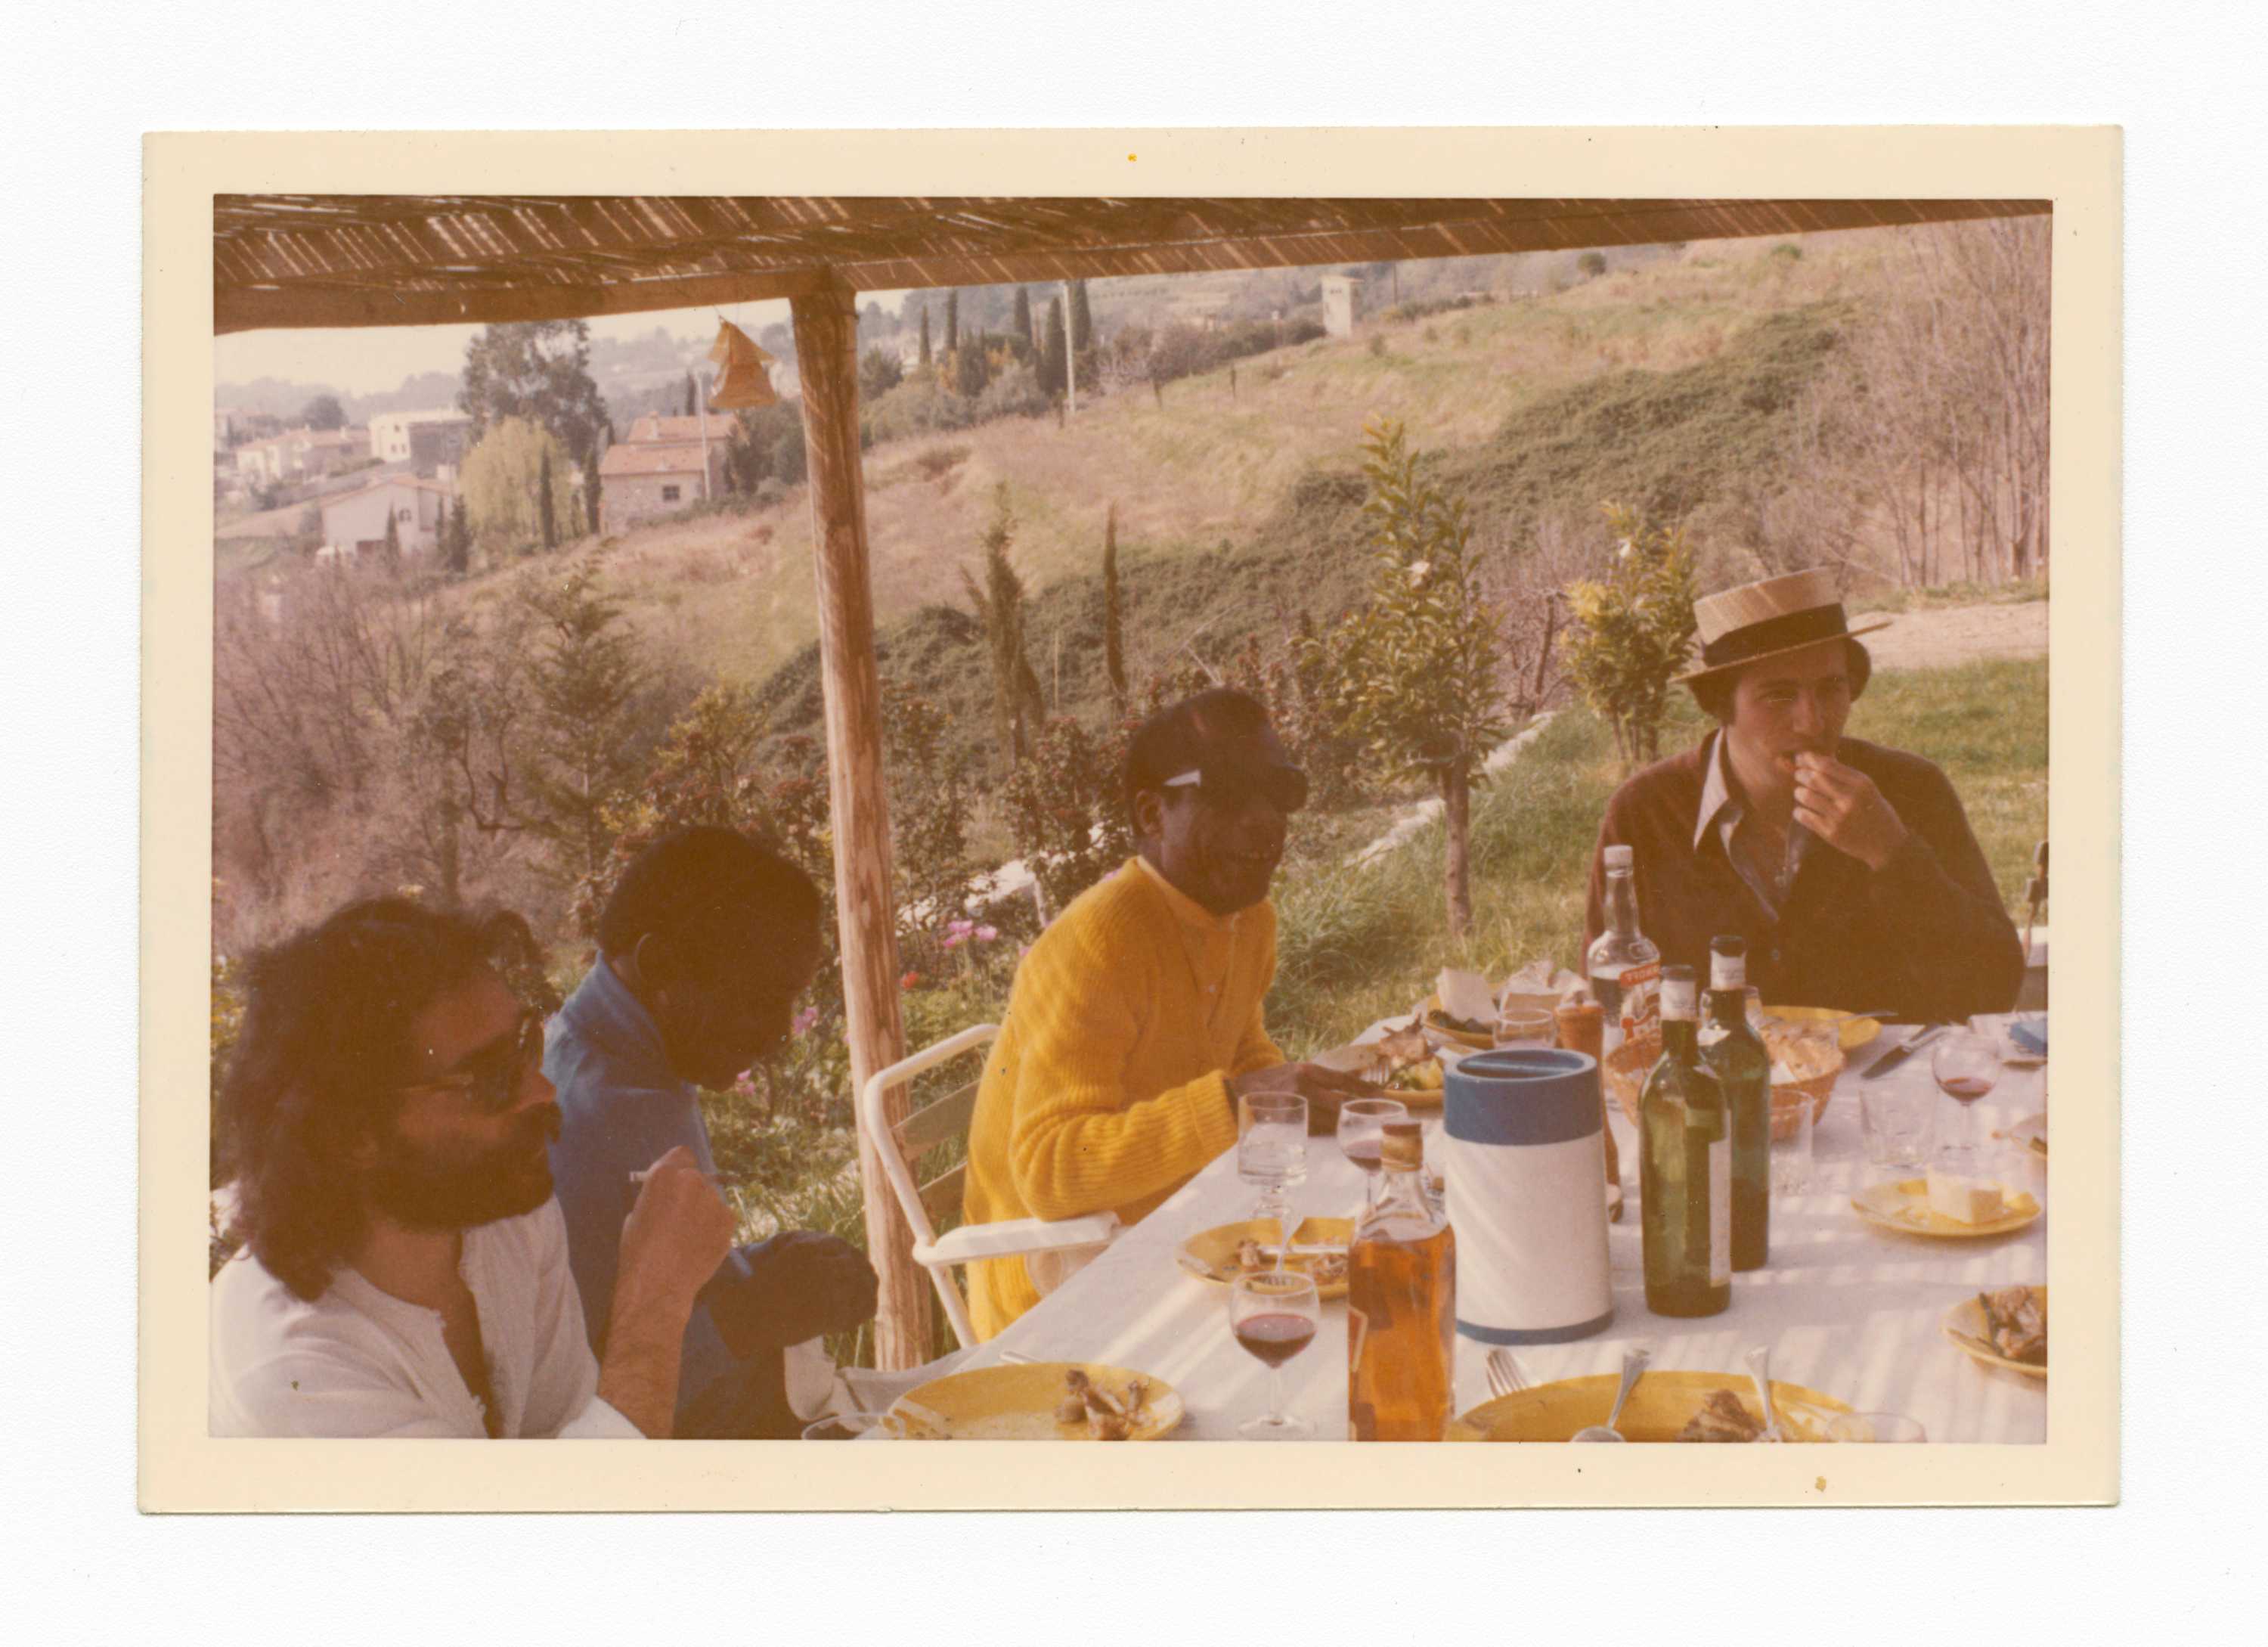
column 1685, row 1167
column 1736, row 1056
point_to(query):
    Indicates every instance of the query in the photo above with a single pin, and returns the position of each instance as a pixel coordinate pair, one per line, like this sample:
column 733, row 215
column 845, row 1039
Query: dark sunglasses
column 491, row 1077
column 1230, row 788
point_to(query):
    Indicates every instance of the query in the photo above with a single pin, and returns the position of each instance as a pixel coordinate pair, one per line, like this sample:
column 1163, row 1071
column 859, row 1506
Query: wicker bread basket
column 1819, row 1062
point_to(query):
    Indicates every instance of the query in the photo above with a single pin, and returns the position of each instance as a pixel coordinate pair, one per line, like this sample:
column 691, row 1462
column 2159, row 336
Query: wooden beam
column 294, row 304
column 827, row 359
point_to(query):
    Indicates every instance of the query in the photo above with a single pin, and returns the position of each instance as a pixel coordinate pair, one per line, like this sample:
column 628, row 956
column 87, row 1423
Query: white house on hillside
column 354, row 522
column 390, row 431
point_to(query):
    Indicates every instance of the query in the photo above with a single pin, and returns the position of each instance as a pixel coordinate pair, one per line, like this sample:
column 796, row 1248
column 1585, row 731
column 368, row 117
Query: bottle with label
column 1624, row 964
column 1685, row 1167
column 1737, row 1057
column 1401, row 1305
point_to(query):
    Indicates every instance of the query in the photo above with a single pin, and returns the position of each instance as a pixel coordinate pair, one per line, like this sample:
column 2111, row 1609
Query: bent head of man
column 717, row 935
column 383, row 1068
column 1780, row 668
column 1779, row 707
column 1209, row 787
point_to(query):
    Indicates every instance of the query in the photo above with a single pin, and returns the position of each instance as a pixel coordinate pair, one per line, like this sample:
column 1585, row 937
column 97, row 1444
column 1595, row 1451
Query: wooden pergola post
column 827, row 362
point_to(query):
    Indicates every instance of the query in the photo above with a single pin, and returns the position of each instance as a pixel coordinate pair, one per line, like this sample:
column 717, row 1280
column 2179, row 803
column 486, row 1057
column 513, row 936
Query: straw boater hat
column 1762, row 620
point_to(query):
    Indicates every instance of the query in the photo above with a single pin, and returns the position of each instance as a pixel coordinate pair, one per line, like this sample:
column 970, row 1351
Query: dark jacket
column 1926, row 936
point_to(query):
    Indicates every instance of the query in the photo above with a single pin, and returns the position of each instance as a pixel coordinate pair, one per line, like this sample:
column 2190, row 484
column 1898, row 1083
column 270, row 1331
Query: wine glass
column 1362, row 1136
column 1966, row 1065
column 1275, row 1314
column 1527, row 1026
column 1271, row 1153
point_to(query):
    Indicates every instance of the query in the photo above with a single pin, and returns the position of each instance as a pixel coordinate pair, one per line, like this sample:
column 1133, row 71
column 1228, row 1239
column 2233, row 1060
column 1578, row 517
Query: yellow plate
column 1855, row 1032
column 1017, row 1401
column 1415, row 1098
column 1210, row 1254
column 1968, row 1318
column 1658, row 1407
column 1904, row 1207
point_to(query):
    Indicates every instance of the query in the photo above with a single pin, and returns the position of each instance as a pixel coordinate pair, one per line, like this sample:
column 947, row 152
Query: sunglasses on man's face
column 491, row 1077
column 1231, row 787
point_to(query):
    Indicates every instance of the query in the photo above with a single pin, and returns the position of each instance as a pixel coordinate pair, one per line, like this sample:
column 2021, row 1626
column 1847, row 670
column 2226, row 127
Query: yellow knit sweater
column 1108, row 1087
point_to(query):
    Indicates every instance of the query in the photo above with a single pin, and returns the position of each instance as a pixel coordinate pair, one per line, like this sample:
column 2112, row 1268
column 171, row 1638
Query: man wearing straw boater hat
column 1849, row 868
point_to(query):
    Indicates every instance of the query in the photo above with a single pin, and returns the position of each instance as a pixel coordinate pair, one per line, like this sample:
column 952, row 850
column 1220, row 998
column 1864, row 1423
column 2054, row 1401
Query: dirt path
column 1957, row 634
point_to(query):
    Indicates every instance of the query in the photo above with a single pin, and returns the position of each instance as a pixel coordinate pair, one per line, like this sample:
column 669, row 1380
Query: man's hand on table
column 1323, row 1087
column 1841, row 806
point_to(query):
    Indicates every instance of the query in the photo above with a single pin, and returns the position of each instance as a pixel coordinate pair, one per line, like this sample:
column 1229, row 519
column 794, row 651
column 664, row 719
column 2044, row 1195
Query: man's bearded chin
column 427, row 1189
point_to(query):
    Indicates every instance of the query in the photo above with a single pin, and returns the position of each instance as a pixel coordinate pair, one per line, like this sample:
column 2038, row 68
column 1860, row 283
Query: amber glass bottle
column 1401, row 1305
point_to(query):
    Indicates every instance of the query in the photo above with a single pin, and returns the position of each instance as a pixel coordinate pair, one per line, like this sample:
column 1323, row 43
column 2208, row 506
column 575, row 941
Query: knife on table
column 1899, row 1054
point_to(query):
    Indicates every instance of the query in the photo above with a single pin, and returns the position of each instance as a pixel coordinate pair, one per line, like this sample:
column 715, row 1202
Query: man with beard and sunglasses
column 703, row 946
column 1135, row 1020
column 404, row 1265
column 1849, row 868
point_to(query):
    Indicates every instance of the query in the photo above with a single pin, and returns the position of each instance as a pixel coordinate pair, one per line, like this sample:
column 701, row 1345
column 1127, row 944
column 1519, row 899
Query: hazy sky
column 369, row 360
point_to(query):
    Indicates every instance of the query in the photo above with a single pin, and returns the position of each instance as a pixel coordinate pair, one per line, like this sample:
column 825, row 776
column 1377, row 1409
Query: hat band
column 1776, row 634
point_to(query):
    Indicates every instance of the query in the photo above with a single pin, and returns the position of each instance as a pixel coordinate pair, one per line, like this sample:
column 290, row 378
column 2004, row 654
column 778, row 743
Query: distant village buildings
column 423, row 440
column 1342, row 304
column 354, row 522
column 662, row 465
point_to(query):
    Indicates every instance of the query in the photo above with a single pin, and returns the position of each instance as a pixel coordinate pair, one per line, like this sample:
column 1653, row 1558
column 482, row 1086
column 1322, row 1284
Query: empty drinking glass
column 1894, row 1122
column 1271, row 1152
column 1790, row 1145
column 1527, row 1026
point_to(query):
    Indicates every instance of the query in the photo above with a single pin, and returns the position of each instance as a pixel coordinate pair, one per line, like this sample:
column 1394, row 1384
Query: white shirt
column 360, row 1362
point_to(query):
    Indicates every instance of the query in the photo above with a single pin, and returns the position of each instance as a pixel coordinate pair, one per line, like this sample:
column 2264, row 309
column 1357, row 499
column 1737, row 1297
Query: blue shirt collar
column 606, row 1016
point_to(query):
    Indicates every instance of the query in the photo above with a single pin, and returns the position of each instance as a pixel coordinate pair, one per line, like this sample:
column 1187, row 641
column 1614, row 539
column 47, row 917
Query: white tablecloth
column 1849, row 1309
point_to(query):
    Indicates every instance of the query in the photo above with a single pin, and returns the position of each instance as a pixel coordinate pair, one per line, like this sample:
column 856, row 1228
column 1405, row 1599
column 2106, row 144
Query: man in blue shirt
column 702, row 948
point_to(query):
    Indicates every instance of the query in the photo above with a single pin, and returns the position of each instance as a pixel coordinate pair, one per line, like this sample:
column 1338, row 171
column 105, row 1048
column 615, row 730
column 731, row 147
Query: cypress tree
column 1024, row 340
column 1052, row 360
column 1114, row 648
column 393, row 550
column 458, row 555
column 591, row 487
column 952, row 319
column 1082, row 322
column 691, row 404
column 543, row 501
column 924, row 338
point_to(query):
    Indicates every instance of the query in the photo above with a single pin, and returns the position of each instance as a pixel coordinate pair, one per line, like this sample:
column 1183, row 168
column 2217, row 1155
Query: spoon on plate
column 1634, row 1365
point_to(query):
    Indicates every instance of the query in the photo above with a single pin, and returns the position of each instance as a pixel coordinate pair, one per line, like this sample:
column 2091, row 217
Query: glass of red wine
column 1362, row 1136
column 1275, row 1314
column 1966, row 1065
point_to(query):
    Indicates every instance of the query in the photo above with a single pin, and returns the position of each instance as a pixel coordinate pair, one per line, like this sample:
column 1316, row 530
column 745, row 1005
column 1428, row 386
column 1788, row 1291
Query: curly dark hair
column 316, row 1068
column 1714, row 691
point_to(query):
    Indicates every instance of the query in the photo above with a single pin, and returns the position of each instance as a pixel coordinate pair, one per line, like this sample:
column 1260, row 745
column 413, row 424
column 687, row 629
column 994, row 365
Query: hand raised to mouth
column 1841, row 805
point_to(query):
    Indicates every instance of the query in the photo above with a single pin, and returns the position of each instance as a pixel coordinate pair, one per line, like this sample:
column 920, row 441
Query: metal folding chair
column 900, row 1148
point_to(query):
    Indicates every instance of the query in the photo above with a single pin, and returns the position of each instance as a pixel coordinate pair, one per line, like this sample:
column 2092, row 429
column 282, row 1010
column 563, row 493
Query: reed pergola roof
column 388, row 260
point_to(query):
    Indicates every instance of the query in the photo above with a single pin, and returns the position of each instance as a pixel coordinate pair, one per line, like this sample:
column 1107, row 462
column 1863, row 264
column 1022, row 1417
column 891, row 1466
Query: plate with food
column 1319, row 1248
column 1038, row 1400
column 1407, row 1065
column 1851, row 1031
column 1945, row 1207
column 1664, row 1406
column 2007, row 1329
column 1470, row 1033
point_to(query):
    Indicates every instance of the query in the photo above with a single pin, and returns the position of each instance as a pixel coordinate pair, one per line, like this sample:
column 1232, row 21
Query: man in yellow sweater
column 1136, row 1021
